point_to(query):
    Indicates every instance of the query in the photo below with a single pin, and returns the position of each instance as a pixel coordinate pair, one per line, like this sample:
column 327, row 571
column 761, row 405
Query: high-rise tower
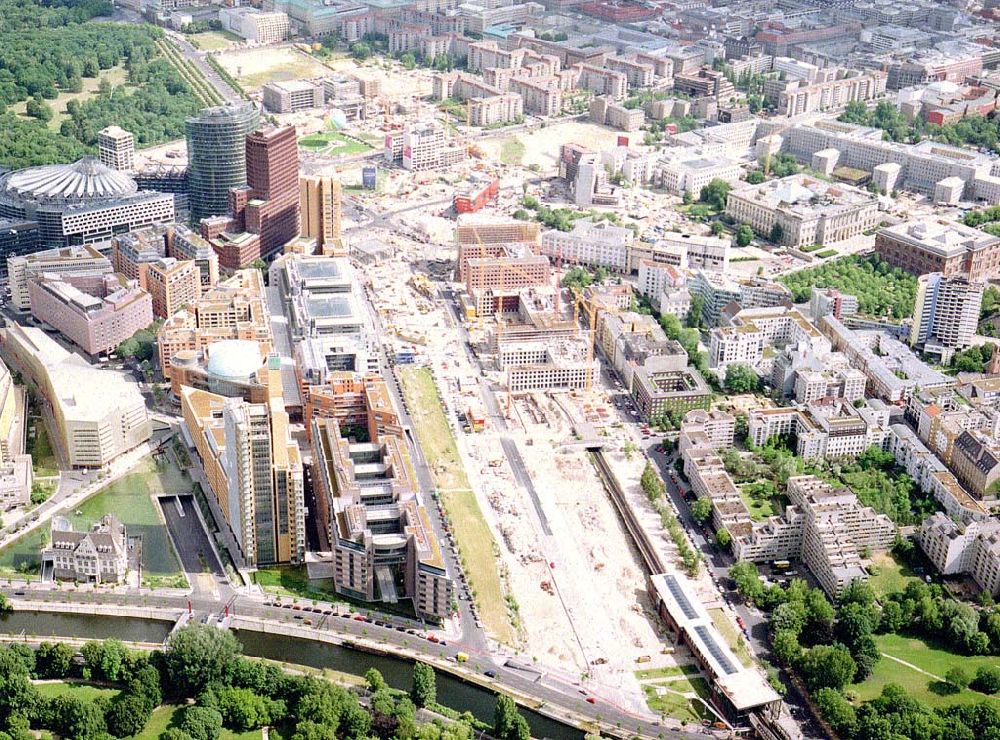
column 216, row 145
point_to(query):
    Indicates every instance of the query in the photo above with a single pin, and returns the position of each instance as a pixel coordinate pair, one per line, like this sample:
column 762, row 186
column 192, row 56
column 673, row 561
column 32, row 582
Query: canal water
column 397, row 672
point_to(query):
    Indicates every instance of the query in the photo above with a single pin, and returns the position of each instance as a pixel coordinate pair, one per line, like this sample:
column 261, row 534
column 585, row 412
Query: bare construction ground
column 256, row 67
column 541, row 146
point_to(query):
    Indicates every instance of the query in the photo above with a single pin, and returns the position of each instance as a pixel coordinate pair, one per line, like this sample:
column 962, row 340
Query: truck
column 462, row 657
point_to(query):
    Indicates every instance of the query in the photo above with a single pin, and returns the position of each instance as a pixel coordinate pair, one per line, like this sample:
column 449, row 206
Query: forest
column 48, row 49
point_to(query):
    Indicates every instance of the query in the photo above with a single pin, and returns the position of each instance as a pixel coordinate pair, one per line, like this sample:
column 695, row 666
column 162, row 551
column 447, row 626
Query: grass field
column 732, row 636
column 475, row 541
column 168, row 715
column 43, row 459
column 668, row 672
column 889, row 574
column 333, row 144
column 79, row 690
column 129, row 499
column 928, row 658
column 512, row 151
column 213, row 40
column 760, row 508
column 115, row 75
column 660, row 699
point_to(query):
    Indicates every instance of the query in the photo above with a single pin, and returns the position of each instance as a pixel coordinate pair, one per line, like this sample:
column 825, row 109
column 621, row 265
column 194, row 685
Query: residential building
column 424, row 147
column 602, row 81
column 830, row 301
column 97, row 415
column 595, row 243
column 130, row 251
column 717, row 291
column 828, row 427
column 319, row 207
column 81, row 203
column 188, row 245
column 99, row 317
column 98, row 556
column 972, row 548
column 216, row 146
column 937, row 245
column 800, row 210
column 975, row 461
column 797, row 97
column 116, row 148
column 666, row 288
column 945, row 314
column 171, row 284
column 750, row 336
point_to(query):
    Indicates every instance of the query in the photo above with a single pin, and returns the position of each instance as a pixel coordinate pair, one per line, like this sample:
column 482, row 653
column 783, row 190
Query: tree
column 312, row 731
column 777, row 232
column 508, row 724
column 650, row 483
column 201, row 723
column 744, row 235
column 715, row 193
column 957, row 677
column 701, row 510
column 105, row 659
column 717, row 228
column 987, row 679
column 755, row 177
column 53, row 660
column 836, row 710
column 790, row 616
column 787, row 649
column 740, row 378
column 424, row 691
column 243, row 710
column 146, row 683
column 16, row 692
column 76, row 718
column 827, row 666
column 197, row 655
column 127, row 715
column 39, row 109
column 374, row 679
column 360, row 50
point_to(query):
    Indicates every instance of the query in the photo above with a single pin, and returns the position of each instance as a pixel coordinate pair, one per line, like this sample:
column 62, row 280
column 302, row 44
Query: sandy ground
column 541, row 146
column 258, row 66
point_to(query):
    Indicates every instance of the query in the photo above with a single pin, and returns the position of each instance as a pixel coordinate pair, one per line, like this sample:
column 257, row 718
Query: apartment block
column 829, row 427
column 541, row 96
column 600, row 244
column 945, row 314
column 798, row 96
column 188, row 245
column 426, row 148
column 171, row 284
column 959, row 549
column 602, row 81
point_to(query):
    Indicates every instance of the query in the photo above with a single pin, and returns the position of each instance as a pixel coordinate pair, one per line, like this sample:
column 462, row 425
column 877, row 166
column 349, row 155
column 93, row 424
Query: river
column 397, row 672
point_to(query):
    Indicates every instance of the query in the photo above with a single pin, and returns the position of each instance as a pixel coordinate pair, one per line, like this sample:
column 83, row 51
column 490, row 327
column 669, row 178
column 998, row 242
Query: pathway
column 910, row 665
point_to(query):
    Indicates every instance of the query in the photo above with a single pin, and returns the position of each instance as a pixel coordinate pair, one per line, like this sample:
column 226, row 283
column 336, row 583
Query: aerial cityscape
column 440, row 370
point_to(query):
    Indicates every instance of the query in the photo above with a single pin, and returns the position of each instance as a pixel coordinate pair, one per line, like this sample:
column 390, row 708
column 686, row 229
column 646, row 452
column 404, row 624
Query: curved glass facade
column 216, row 145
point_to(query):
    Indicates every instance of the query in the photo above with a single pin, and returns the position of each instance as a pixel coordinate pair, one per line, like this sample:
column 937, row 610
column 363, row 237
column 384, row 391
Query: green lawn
column 43, row 459
column 333, row 144
column 129, row 498
column 889, row 574
column 167, row 715
column 668, row 672
column 78, row 690
column 760, row 508
column 512, row 151
column 475, row 541
column 675, row 706
column 920, row 686
column 732, row 636
column 213, row 40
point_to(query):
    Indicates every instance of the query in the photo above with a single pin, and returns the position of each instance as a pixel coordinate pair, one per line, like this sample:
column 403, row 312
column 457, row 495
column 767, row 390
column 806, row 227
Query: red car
column 591, row 700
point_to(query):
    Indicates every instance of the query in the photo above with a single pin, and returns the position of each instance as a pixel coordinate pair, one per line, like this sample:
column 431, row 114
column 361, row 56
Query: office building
column 98, row 556
column 292, row 96
column 253, row 465
column 945, row 314
column 80, row 262
column 188, row 245
column 319, row 207
column 216, row 146
column 972, row 548
column 116, row 149
column 937, row 245
column 171, row 284
column 800, row 210
column 17, row 238
column 253, row 25
column 81, row 203
column 424, row 147
column 130, row 251
column 233, row 309
column 689, row 169
column 96, row 319
column 97, row 414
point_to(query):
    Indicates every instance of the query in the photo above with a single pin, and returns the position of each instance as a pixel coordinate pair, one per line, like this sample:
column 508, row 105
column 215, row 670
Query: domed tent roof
column 86, row 179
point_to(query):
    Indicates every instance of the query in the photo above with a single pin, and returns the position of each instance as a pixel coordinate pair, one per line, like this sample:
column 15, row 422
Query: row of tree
column 202, row 669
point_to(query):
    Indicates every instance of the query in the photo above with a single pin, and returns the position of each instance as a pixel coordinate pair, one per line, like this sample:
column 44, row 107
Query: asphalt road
column 194, row 548
column 554, row 691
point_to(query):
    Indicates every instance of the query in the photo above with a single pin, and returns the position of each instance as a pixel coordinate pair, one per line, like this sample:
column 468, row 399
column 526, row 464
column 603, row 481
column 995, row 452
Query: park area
column 476, row 545
column 920, row 668
column 254, row 68
column 332, row 143
column 130, row 499
column 678, row 692
column 115, row 76
column 214, row 40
